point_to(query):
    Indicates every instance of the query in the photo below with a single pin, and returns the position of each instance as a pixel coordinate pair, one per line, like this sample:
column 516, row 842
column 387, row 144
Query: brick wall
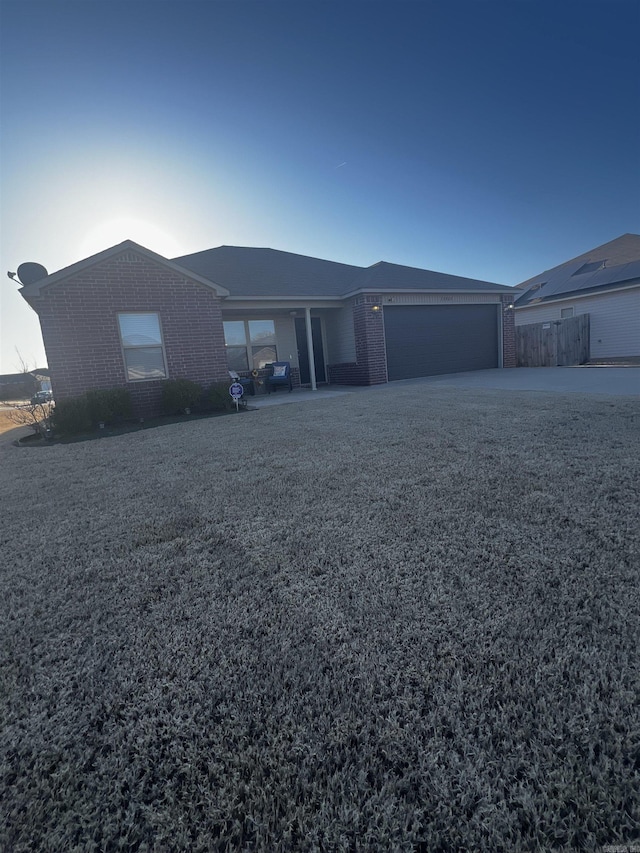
column 370, row 367
column 295, row 377
column 348, row 373
column 79, row 325
column 508, row 331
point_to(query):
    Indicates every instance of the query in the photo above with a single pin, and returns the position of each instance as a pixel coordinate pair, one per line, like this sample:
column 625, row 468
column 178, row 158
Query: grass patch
column 404, row 620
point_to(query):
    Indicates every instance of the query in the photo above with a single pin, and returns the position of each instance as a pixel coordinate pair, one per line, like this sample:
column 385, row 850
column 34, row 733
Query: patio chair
column 280, row 376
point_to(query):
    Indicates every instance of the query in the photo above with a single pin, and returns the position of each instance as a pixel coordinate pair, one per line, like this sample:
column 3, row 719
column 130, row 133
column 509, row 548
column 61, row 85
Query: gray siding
column 286, row 340
column 615, row 320
column 340, row 336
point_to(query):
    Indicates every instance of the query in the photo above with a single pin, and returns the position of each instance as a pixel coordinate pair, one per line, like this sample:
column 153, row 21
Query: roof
column 272, row 274
column 239, row 272
column 16, row 378
column 31, row 290
column 386, row 276
column 613, row 264
column 268, row 273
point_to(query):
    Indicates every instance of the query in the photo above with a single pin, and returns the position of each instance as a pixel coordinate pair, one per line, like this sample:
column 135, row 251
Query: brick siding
column 508, row 331
column 370, row 367
column 295, row 377
column 80, row 329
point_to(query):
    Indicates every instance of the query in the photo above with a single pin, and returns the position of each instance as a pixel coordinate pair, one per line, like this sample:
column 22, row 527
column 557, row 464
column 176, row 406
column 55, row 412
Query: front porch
column 304, row 336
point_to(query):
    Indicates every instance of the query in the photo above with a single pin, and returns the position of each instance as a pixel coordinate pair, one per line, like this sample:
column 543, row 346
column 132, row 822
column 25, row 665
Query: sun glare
column 114, row 231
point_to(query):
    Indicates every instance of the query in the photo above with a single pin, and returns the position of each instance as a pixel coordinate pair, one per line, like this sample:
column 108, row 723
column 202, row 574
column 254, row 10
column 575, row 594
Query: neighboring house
column 17, row 386
column 604, row 283
column 130, row 317
column 22, row 386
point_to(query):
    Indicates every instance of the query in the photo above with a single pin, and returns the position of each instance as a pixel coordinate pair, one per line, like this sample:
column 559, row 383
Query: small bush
column 109, row 405
column 180, row 394
column 218, row 398
column 70, row 417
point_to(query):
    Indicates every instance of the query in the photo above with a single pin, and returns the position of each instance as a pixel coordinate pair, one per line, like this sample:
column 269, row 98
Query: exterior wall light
column 375, row 307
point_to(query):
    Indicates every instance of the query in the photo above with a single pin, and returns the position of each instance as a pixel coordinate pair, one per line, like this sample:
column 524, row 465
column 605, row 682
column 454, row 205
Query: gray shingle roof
column 265, row 273
column 269, row 273
column 618, row 263
column 386, row 276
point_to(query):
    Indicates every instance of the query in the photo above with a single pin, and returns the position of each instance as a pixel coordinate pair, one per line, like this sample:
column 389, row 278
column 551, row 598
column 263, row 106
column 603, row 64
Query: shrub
column 107, row 405
column 180, row 394
column 218, row 398
column 71, row 416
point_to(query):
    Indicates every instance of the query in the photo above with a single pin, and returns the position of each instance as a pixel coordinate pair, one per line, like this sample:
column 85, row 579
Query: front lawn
column 398, row 620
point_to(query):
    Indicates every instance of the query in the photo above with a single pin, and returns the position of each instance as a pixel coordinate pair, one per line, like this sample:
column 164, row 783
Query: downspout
column 312, row 360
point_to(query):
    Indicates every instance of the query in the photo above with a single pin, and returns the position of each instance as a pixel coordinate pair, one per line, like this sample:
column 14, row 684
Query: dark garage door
column 426, row 340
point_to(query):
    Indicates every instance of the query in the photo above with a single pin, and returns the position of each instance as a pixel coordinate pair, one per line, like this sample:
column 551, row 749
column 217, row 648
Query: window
column 235, row 337
column 250, row 343
column 142, row 346
column 566, row 312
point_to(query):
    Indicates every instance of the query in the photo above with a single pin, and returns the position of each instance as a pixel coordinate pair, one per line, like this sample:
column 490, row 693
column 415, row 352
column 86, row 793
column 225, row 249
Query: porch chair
column 280, row 375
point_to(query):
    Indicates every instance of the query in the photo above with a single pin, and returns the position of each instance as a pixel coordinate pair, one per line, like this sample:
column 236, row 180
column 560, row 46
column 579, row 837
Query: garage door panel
column 430, row 340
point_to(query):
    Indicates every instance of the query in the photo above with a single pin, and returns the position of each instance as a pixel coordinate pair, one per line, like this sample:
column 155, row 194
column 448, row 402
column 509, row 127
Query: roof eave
column 297, row 299
column 500, row 289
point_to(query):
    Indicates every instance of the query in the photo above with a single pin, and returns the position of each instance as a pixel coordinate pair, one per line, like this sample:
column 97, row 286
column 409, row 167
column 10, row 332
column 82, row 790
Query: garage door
column 426, row 340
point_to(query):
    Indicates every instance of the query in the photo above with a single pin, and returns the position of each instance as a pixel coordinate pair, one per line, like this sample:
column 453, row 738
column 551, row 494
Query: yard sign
column 236, row 391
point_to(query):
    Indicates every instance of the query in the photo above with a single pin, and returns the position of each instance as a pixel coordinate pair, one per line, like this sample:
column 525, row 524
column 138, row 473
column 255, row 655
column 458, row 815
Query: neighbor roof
column 269, row 273
column 610, row 265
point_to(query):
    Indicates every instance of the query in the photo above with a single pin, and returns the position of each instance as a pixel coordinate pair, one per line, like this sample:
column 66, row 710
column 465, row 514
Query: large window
column 250, row 343
column 142, row 346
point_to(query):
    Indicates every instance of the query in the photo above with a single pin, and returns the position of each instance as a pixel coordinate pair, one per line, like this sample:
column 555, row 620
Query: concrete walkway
column 610, row 381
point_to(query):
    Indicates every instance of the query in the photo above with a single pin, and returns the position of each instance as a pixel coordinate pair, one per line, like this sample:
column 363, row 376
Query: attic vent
column 591, row 267
column 130, row 258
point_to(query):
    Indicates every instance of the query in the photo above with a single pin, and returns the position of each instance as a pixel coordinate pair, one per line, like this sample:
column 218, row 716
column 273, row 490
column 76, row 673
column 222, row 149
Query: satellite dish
column 29, row 273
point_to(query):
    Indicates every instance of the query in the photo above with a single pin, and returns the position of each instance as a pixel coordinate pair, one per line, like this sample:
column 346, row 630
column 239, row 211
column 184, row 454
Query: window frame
column 249, row 345
column 567, row 316
column 124, row 347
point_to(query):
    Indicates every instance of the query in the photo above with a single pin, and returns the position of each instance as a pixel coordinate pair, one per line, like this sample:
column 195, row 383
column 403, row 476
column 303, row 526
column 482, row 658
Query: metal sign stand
column 236, row 390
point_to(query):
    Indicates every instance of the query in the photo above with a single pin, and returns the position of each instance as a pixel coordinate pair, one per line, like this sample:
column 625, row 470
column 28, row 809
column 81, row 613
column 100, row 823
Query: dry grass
column 8, row 423
column 404, row 620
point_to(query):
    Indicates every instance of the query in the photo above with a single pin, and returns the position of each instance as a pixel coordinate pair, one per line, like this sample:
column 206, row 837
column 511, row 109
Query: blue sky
column 478, row 138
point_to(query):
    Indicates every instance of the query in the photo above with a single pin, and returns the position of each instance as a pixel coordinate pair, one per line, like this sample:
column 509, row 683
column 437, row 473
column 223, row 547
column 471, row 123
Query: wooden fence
column 557, row 343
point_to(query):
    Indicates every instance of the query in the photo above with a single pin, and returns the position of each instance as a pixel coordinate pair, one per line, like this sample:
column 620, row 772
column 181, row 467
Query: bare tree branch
column 36, row 415
column 23, row 365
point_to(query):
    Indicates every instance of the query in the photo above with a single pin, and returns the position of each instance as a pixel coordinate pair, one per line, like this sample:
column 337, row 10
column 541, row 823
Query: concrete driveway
column 610, row 381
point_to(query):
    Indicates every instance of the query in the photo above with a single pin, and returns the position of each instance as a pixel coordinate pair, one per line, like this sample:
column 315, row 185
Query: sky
column 479, row 138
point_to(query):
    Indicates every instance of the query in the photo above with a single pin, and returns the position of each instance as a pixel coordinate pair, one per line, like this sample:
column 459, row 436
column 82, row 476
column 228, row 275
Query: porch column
column 312, row 359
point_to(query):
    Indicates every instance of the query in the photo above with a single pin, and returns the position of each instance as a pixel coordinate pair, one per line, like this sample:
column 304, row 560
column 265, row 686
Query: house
column 604, row 283
column 22, row 386
column 130, row 317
